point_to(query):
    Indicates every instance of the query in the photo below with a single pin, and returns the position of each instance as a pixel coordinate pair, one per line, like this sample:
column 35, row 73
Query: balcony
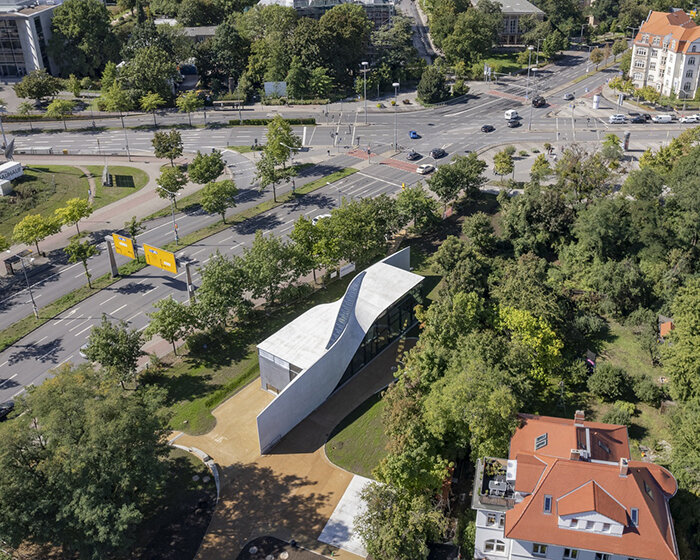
column 491, row 489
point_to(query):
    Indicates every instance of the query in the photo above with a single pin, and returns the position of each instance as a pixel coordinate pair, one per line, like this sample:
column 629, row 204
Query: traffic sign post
column 158, row 257
column 112, row 260
column 124, row 246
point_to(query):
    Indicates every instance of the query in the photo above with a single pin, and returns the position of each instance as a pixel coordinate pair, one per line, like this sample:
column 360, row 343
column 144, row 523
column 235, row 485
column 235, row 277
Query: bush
column 510, row 150
column 621, row 413
column 591, row 326
column 647, row 391
column 523, row 153
column 608, row 382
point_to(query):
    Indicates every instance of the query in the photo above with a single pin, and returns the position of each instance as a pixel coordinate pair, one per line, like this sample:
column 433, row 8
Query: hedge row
column 79, row 117
column 286, row 101
column 264, row 122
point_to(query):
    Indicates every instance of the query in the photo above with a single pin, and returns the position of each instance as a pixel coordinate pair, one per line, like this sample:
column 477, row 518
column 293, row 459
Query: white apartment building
column 569, row 491
column 666, row 54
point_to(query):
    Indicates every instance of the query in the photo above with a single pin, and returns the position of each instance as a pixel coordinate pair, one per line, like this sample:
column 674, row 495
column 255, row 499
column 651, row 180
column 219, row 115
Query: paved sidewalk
column 292, row 492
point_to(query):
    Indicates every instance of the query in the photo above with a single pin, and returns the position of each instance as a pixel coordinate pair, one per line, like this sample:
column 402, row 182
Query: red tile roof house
column 569, row 491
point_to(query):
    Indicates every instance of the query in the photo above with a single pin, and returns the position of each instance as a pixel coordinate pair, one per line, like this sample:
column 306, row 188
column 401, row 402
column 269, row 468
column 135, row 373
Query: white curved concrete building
column 308, row 359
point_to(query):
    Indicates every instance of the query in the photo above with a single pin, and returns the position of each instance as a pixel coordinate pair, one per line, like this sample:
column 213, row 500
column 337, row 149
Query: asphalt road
column 456, row 128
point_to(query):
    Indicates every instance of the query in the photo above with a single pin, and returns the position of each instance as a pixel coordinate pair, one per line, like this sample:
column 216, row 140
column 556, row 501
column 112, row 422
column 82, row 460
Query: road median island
column 18, row 330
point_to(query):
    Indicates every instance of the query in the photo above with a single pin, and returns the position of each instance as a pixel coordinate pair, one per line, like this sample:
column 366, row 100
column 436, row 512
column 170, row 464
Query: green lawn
column 41, row 190
column 358, row 443
column 506, row 62
column 126, row 180
column 649, row 425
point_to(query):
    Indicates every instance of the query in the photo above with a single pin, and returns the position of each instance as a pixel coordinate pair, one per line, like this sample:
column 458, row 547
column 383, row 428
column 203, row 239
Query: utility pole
column 396, row 101
column 29, row 287
column 529, row 60
column 364, row 71
column 172, row 212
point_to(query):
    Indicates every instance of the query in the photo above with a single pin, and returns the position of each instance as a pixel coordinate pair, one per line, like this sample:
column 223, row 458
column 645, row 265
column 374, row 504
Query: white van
column 665, row 119
column 511, row 114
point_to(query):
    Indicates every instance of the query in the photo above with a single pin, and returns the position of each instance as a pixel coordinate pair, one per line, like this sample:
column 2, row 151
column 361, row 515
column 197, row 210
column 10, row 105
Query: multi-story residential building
column 666, row 54
column 512, row 11
column 25, row 29
column 379, row 12
column 569, row 491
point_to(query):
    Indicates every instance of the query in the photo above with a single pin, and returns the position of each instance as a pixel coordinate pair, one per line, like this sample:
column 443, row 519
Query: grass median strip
column 23, row 327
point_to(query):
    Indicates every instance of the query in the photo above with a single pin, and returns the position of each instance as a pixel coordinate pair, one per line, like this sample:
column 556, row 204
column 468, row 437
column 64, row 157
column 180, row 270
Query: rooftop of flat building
column 26, row 7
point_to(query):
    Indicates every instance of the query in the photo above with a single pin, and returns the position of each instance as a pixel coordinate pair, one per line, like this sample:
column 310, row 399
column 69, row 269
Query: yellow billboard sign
column 123, row 246
column 160, row 258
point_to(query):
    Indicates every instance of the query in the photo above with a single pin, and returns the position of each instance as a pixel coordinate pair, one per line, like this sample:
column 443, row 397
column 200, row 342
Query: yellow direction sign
column 160, row 258
column 123, row 246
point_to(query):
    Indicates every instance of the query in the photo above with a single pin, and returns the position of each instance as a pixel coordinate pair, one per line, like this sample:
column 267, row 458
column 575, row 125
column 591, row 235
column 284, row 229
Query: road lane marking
column 110, row 299
column 148, row 292
column 64, row 361
column 133, row 317
column 85, row 329
column 18, row 393
column 38, row 341
column 2, row 364
column 120, row 308
column 8, row 379
column 78, row 325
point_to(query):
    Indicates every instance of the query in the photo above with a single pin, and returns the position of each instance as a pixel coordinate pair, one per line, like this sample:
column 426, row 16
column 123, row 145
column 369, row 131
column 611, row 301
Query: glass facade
column 42, row 43
column 11, row 57
column 388, row 327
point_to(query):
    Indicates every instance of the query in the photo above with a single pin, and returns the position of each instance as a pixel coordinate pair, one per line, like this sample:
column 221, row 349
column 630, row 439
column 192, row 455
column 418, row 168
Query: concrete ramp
column 339, row 531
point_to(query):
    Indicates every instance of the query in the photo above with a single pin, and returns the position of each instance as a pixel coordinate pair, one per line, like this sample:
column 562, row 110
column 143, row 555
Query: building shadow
column 262, row 221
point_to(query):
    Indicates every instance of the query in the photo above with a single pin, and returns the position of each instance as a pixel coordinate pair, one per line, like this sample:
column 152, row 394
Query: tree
column 432, row 87
column 395, row 525
column 503, row 163
column 82, row 37
column 682, row 356
column 59, row 108
column 297, row 79
column 306, row 247
column 278, row 149
column 151, row 102
column 219, row 196
column 188, row 102
column 167, row 145
column 346, row 29
column 222, row 294
column 151, row 69
column 612, row 148
column 597, row 56
column 73, row 85
column 33, row 228
column 116, row 98
column 620, row 413
column 134, row 227
column 225, row 55
column 268, row 264
column 582, row 176
column 540, row 169
column 554, row 43
column 109, row 76
column 474, row 34
column 608, row 382
column 37, row 85
column 619, row 47
column 81, row 251
column 4, row 244
column 25, row 109
column 75, row 210
column 464, row 176
column 479, row 232
column 171, row 320
column 415, row 204
column 66, row 478
column 172, row 180
column 116, row 348
column 206, row 168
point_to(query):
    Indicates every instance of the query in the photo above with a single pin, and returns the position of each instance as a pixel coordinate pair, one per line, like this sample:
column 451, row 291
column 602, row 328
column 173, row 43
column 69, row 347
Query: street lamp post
column 534, row 79
column 172, row 211
column 365, row 69
column 396, row 100
column 529, row 60
column 537, row 58
column 29, row 286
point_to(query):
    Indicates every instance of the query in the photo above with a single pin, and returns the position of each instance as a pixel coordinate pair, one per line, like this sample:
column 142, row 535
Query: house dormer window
column 602, row 556
column 648, row 490
column 570, row 554
column 692, row 48
column 645, row 38
column 540, row 441
column 656, row 41
column 574, row 523
column 589, row 524
column 606, row 527
column 539, row 550
column 548, row 504
column 634, row 514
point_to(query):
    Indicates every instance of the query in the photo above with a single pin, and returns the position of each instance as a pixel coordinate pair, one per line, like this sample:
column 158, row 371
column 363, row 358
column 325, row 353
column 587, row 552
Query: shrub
column 621, row 413
column 591, row 326
column 608, row 382
column 523, row 153
column 647, row 391
column 510, row 150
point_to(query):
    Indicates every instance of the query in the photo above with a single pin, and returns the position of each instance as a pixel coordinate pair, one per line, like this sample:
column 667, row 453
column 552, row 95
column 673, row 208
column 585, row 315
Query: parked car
column 511, row 114
column 412, row 156
column 647, row 116
column 437, row 153
column 538, row 101
column 413, row 135
column 568, row 96
column 637, row 119
column 425, row 169
column 617, row 119
column 319, row 218
column 5, row 409
column 662, row 119
column 632, row 114
column 513, row 124
column 689, row 119
column 488, row 128
column 82, row 349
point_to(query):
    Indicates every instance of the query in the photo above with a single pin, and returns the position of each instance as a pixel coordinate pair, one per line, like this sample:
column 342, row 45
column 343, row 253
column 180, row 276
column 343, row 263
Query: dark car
column 413, row 156
column 637, row 119
column 488, row 128
column 513, row 123
column 437, row 153
column 538, row 101
column 5, row 409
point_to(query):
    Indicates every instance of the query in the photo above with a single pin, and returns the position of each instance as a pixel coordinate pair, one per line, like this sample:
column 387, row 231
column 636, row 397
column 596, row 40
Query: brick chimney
column 579, row 417
column 575, row 455
column 624, row 467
